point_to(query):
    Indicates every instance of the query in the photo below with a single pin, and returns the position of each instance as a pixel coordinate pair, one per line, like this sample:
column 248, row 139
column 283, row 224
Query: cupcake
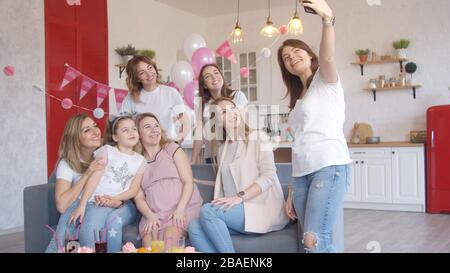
column 85, row 249
column 189, row 249
column 129, row 248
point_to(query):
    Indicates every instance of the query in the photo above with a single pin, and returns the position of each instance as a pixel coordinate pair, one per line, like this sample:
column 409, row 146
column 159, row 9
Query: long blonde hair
column 133, row 83
column 164, row 139
column 70, row 145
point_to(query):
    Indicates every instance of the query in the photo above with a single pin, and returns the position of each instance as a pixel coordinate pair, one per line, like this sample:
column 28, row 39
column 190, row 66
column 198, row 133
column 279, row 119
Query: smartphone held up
column 308, row 9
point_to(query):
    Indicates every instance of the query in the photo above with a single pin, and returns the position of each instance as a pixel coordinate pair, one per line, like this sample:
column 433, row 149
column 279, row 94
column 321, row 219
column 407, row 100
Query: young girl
column 119, row 181
column 169, row 199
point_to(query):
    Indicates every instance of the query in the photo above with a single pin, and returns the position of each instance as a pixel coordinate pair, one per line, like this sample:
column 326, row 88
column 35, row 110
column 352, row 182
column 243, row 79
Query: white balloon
column 99, row 113
column 193, row 42
column 181, row 74
column 266, row 52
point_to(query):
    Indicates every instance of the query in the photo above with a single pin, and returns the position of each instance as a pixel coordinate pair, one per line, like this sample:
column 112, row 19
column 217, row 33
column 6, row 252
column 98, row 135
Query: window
column 249, row 85
column 225, row 65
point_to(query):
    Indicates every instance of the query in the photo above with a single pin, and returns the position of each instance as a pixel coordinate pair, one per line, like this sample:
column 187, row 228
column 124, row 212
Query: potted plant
column 147, row 53
column 400, row 46
column 363, row 54
column 410, row 68
column 127, row 52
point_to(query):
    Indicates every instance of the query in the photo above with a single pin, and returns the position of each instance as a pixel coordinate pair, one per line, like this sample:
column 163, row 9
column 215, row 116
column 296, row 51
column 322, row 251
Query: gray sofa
column 40, row 210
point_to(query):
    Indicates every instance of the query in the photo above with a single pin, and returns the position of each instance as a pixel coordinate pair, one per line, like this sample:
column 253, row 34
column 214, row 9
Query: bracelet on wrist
column 329, row 22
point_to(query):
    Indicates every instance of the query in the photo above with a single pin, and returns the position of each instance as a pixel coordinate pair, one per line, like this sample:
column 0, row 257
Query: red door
column 78, row 36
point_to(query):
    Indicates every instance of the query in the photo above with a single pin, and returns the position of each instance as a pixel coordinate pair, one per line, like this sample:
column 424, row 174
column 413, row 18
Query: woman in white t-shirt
column 147, row 94
column 119, row 181
column 211, row 86
column 320, row 157
column 76, row 163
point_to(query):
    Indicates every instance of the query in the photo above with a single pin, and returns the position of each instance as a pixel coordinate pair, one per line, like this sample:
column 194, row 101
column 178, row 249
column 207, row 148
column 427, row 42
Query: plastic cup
column 101, row 246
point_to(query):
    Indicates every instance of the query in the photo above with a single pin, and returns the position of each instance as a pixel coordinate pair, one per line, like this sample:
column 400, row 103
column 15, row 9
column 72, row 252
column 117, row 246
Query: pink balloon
column 284, row 29
column 66, row 103
column 189, row 93
column 9, row 70
column 201, row 57
column 245, row 72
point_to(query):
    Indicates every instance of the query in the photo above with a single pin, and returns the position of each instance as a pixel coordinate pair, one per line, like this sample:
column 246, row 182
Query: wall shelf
column 374, row 90
column 362, row 64
column 122, row 68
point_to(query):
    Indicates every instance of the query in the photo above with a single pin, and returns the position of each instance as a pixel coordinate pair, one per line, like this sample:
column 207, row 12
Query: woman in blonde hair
column 247, row 195
column 81, row 137
column 168, row 200
column 147, row 94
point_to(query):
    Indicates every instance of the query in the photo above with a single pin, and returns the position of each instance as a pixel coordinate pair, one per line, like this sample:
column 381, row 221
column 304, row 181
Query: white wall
column 23, row 160
column 425, row 23
column 148, row 24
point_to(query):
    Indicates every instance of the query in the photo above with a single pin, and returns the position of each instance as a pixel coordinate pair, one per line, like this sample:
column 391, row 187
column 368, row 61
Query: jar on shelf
column 392, row 82
column 373, row 84
column 381, row 81
column 402, row 79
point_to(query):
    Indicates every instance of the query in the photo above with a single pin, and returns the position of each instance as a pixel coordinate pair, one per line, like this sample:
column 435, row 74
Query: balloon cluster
column 184, row 75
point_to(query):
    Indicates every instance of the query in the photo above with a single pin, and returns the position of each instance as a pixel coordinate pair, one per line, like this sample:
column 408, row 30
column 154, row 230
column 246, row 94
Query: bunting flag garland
column 226, row 51
column 71, row 75
column 86, row 86
column 67, row 103
column 120, row 95
column 102, row 93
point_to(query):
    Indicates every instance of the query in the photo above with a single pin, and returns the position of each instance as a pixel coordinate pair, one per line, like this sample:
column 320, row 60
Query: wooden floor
column 365, row 231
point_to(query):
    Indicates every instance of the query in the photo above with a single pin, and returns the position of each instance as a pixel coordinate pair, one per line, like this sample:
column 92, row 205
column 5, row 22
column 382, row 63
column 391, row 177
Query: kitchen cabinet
column 387, row 178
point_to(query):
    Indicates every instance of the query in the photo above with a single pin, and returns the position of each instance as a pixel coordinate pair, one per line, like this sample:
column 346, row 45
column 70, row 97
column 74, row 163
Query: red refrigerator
column 438, row 159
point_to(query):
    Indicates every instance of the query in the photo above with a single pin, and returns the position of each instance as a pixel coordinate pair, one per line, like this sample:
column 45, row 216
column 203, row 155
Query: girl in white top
column 76, row 164
column 122, row 176
column 320, row 157
column 147, row 94
column 211, row 86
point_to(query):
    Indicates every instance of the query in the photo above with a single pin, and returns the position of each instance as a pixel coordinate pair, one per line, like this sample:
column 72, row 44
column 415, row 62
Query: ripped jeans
column 317, row 199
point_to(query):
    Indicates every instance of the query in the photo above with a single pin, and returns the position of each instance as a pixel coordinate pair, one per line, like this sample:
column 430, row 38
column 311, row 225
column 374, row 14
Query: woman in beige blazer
column 247, row 195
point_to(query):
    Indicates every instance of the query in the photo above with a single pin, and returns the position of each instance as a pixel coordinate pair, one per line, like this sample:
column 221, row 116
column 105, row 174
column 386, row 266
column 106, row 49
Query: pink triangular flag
column 102, row 93
column 120, row 95
column 71, row 74
column 86, row 86
column 225, row 50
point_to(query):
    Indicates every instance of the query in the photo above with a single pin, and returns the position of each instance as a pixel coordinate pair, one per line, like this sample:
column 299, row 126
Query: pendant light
column 269, row 30
column 295, row 24
column 237, row 34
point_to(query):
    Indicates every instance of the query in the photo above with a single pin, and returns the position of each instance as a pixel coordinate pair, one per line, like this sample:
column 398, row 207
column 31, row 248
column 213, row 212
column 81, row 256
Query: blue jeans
column 62, row 228
column 317, row 199
column 96, row 218
column 211, row 232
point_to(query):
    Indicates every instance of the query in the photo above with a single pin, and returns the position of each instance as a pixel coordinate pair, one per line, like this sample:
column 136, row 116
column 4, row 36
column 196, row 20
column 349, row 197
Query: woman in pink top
column 168, row 199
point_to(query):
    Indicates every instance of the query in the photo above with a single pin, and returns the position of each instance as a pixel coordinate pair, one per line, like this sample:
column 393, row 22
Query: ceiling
column 210, row 8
